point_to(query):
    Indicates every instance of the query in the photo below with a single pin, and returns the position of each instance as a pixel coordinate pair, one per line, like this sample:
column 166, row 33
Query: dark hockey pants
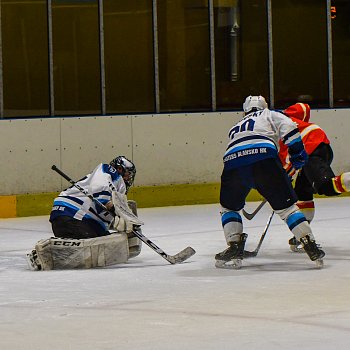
column 68, row 227
column 316, row 176
column 267, row 176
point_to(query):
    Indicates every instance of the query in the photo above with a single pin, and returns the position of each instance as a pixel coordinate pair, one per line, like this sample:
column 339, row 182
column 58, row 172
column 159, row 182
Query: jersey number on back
column 246, row 125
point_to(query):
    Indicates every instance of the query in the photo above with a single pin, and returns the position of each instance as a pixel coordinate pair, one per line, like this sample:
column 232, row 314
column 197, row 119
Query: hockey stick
column 172, row 259
column 249, row 254
column 250, row 216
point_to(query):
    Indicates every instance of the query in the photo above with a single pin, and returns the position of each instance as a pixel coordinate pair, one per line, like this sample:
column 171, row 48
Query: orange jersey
column 312, row 135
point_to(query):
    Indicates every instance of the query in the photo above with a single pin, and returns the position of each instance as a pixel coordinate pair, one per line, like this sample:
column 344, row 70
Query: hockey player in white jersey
column 78, row 221
column 251, row 161
column 74, row 215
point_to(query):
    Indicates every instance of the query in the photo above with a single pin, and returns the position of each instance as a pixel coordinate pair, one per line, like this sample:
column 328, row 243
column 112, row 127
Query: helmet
column 299, row 111
column 126, row 169
column 254, row 103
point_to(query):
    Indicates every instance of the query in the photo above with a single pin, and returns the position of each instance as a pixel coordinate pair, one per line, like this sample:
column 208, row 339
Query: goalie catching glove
column 121, row 225
column 126, row 220
column 122, row 210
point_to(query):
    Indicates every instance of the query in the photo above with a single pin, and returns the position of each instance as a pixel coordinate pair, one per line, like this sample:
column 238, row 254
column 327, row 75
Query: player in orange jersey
column 317, row 175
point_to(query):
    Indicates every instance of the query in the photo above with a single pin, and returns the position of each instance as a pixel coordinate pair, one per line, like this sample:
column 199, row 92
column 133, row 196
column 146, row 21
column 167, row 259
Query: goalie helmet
column 252, row 103
column 126, row 169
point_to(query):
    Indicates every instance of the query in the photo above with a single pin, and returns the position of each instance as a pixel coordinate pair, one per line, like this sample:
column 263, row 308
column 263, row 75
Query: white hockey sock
column 232, row 225
column 296, row 222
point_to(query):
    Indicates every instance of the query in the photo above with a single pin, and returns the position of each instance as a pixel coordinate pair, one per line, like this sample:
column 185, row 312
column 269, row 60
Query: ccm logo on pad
column 67, row 243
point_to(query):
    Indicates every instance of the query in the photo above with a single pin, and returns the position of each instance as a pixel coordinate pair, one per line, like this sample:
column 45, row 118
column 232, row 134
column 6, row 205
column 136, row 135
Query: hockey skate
column 296, row 246
column 231, row 257
column 33, row 261
column 313, row 251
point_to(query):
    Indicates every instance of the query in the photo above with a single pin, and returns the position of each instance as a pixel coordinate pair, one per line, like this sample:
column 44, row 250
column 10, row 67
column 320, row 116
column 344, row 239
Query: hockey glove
column 122, row 225
column 298, row 160
column 110, row 207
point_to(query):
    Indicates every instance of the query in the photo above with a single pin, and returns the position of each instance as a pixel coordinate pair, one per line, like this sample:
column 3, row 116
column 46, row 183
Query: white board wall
column 167, row 149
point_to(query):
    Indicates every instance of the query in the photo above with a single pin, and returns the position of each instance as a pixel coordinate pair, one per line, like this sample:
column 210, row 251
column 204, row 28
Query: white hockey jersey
column 256, row 137
column 100, row 184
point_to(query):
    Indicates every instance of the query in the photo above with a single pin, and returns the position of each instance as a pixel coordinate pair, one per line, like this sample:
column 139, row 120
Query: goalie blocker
column 134, row 243
column 65, row 253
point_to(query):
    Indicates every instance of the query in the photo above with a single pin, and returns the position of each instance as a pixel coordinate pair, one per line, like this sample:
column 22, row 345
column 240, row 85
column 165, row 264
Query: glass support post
column 270, row 50
column 212, row 55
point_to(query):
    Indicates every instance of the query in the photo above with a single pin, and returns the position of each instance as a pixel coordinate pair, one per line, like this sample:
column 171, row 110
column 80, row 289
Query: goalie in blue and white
column 251, row 161
column 86, row 234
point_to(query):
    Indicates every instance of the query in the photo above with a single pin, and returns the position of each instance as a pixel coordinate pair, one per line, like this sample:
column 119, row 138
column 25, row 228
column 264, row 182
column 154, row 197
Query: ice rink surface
column 278, row 300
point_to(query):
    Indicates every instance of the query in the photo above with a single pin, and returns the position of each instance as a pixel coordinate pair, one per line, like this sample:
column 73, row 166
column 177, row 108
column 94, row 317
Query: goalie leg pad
column 41, row 257
column 65, row 253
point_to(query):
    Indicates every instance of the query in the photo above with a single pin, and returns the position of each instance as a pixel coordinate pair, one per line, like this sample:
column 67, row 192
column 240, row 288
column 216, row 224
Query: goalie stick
column 172, row 259
column 251, row 254
column 250, row 216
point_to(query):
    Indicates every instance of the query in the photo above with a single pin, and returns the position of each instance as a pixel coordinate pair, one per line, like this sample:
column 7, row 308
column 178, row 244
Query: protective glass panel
column 25, row 58
column 341, row 52
column 184, row 55
column 129, row 59
column 241, row 51
column 300, row 52
column 76, row 63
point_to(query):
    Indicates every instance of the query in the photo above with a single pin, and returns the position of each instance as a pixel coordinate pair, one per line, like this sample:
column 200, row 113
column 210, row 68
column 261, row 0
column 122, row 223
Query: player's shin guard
column 296, row 221
column 308, row 209
column 232, row 224
column 301, row 229
column 232, row 256
column 297, row 224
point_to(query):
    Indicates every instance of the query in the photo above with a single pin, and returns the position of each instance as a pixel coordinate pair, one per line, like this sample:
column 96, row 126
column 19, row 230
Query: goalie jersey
column 256, row 137
column 100, row 184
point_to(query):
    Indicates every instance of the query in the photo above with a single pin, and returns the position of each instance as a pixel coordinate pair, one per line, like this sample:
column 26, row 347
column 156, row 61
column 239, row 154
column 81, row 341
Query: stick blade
column 181, row 256
column 248, row 215
column 248, row 254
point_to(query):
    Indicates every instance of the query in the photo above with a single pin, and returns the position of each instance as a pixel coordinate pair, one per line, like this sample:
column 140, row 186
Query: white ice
column 278, row 300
